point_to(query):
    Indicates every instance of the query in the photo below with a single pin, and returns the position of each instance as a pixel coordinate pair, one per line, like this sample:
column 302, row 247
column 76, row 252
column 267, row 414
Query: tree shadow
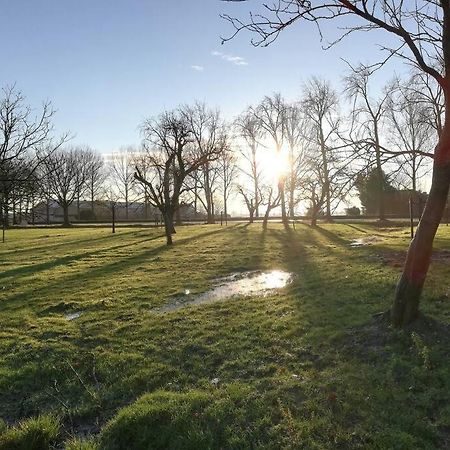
column 35, row 268
column 106, row 270
column 33, row 250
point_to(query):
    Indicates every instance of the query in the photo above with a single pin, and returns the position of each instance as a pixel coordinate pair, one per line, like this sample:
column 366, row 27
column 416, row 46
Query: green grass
column 307, row 367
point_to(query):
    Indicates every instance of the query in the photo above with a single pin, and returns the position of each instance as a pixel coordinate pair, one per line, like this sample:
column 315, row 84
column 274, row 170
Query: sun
column 274, row 165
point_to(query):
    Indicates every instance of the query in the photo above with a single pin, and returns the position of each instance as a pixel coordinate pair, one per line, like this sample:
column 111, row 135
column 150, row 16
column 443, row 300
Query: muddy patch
column 365, row 241
column 243, row 284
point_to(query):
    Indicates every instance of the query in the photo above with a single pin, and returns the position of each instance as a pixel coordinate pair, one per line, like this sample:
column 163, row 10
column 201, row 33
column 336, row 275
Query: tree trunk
column 168, row 226
column 381, row 194
column 284, row 217
column 178, row 220
column 66, row 222
column 266, row 219
column 409, row 288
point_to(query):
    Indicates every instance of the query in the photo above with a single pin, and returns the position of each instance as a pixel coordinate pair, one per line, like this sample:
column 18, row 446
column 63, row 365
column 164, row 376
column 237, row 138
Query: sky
column 106, row 65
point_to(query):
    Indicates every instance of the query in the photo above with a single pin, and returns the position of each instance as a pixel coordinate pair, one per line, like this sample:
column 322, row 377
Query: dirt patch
column 397, row 259
column 373, row 341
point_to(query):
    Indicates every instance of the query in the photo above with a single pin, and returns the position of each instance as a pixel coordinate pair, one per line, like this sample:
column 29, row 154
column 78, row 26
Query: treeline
column 325, row 142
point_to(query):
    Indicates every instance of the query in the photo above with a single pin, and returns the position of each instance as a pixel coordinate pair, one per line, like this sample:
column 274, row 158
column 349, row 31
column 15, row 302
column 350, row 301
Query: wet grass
column 305, row 367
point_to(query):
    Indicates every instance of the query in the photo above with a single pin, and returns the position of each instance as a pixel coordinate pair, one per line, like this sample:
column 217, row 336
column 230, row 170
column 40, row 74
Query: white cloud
column 197, row 68
column 236, row 60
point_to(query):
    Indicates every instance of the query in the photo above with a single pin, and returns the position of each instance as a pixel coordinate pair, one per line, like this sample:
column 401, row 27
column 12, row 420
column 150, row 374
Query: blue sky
column 106, row 65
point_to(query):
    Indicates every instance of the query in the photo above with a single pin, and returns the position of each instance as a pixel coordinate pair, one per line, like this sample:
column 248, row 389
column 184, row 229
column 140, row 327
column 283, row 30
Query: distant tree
column 121, row 172
column 247, row 197
column 421, row 30
column 270, row 198
column 96, row 177
column 368, row 186
column 228, row 173
column 23, row 135
column 66, row 174
column 326, row 167
column 368, row 118
column 294, row 129
column 210, row 136
column 411, row 134
column 249, row 129
column 169, row 155
column 271, row 116
column 353, row 211
column 314, row 188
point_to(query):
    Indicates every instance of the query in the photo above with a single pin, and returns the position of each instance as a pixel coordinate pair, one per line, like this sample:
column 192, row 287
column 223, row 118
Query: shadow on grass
column 35, row 268
column 106, row 270
column 76, row 242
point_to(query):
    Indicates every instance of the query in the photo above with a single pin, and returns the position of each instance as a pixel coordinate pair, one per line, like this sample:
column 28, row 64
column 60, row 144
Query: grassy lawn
column 308, row 366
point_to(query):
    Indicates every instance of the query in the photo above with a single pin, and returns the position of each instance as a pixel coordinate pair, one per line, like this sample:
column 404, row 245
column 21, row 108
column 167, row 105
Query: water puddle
column 73, row 316
column 364, row 241
column 244, row 284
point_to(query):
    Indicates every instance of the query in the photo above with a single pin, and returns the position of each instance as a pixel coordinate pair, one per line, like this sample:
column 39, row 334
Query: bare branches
column 421, row 26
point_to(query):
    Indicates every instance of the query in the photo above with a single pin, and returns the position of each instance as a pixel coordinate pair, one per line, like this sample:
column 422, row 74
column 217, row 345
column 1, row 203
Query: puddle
column 364, row 241
column 244, row 284
column 73, row 316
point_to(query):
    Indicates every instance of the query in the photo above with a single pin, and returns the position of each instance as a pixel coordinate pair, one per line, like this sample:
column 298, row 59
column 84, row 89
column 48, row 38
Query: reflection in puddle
column 243, row 284
column 362, row 242
column 73, row 316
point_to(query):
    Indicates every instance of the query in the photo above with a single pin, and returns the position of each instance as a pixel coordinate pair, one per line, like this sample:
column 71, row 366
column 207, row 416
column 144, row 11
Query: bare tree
column 23, row 135
column 228, row 172
column 249, row 129
column 66, row 172
column 210, row 136
column 122, row 174
column 96, row 176
column 320, row 105
column 294, row 132
column 270, row 114
column 313, row 185
column 170, row 154
column 368, row 115
column 249, row 201
column 411, row 133
column 422, row 32
column 270, row 199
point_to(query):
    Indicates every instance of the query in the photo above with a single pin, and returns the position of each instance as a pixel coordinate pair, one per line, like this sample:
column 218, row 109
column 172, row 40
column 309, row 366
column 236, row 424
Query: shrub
column 32, row 434
column 353, row 211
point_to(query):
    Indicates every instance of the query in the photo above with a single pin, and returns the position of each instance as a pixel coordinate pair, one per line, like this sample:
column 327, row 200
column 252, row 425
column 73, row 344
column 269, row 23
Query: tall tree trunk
column 326, row 175
column 178, row 220
column 47, row 211
column 78, row 205
column 381, row 193
column 92, row 198
column 168, row 225
column 255, row 180
column 284, row 217
column 266, row 219
column 126, row 202
column 409, row 288
column 66, row 222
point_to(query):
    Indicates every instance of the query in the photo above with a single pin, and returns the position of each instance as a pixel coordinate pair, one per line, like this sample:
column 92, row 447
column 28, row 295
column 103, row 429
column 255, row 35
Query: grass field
column 307, row 367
